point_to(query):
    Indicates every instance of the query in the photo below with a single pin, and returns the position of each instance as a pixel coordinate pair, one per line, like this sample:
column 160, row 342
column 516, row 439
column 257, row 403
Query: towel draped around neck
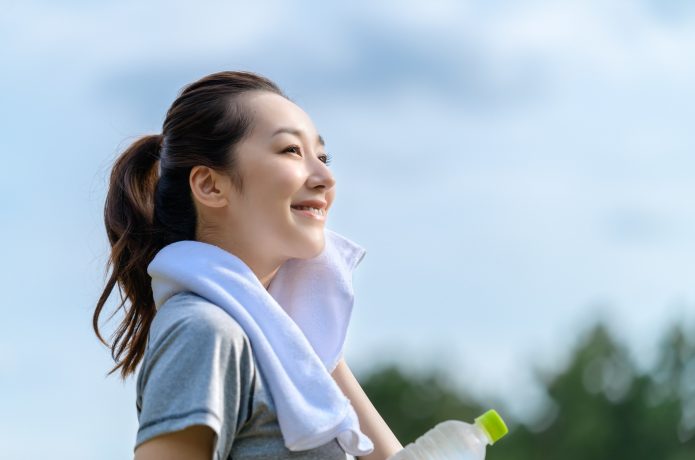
column 297, row 328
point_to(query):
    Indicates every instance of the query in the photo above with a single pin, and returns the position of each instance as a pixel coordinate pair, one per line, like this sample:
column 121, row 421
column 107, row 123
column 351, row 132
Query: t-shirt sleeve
column 198, row 370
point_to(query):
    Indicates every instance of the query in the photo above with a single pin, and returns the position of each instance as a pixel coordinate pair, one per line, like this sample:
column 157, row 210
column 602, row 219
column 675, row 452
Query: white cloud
column 108, row 35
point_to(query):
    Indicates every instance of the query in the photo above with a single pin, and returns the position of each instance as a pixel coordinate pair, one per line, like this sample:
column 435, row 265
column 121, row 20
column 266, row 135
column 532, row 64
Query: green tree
column 413, row 404
column 603, row 406
column 670, row 394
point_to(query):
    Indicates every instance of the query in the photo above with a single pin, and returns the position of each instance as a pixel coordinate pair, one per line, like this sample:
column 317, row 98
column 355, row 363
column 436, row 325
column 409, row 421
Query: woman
column 234, row 160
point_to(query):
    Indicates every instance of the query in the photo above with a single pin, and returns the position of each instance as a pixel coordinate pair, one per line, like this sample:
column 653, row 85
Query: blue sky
column 514, row 170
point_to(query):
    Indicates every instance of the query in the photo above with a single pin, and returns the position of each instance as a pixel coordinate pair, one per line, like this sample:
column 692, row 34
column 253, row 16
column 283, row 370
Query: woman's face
column 282, row 163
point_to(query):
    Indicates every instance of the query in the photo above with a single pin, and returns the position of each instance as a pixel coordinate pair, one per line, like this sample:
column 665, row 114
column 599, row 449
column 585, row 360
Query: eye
column 293, row 147
column 326, row 158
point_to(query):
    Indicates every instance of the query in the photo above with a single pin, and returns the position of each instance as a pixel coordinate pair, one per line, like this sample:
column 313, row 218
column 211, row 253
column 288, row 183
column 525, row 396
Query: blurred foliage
column 602, row 407
column 412, row 405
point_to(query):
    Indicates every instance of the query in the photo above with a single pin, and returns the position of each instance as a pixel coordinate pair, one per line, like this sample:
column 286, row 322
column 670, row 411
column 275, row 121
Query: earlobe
column 208, row 186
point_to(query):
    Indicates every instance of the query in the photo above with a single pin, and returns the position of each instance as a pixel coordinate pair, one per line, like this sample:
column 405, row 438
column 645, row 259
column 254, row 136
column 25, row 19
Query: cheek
column 279, row 186
column 286, row 182
column 274, row 176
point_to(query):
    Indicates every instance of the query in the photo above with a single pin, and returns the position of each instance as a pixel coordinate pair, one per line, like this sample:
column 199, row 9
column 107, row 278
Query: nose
column 320, row 175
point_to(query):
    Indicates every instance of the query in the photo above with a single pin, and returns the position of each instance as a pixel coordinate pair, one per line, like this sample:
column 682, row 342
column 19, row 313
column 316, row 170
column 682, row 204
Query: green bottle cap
column 493, row 425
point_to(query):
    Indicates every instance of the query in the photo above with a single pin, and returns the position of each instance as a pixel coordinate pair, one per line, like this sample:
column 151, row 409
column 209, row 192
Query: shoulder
column 190, row 315
column 191, row 335
column 198, row 369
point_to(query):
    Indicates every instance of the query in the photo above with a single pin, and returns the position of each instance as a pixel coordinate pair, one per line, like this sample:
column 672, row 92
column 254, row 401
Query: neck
column 265, row 280
column 263, row 268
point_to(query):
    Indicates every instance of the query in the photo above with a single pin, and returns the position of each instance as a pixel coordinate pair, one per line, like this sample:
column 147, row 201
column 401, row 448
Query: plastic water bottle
column 456, row 440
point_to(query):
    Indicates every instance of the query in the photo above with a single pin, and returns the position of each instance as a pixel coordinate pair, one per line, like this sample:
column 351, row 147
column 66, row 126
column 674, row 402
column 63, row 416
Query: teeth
column 320, row 212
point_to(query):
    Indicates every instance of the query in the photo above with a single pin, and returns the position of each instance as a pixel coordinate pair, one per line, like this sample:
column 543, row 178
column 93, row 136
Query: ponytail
column 149, row 207
column 134, row 239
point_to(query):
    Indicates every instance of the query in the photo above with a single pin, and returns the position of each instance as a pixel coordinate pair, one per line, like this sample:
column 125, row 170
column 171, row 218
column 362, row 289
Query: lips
column 311, row 204
column 312, row 213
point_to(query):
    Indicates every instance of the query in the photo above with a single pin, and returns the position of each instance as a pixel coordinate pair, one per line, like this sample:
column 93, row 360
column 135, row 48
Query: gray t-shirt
column 199, row 369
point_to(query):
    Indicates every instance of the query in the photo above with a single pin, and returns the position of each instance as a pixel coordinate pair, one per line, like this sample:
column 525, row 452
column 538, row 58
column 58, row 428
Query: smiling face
column 282, row 162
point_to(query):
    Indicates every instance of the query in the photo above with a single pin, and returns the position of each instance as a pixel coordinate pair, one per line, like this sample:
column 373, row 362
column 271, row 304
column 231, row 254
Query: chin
column 313, row 247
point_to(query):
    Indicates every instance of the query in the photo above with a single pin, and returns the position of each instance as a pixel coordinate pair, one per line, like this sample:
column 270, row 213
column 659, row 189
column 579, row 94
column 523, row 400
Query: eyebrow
column 297, row 133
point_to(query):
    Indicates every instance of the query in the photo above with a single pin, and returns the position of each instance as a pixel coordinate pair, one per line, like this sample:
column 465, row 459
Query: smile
column 313, row 213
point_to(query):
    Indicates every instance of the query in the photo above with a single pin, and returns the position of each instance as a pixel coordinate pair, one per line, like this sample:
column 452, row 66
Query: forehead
column 272, row 112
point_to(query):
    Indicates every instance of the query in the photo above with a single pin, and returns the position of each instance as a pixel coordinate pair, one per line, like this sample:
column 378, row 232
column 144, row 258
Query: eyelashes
column 326, row 158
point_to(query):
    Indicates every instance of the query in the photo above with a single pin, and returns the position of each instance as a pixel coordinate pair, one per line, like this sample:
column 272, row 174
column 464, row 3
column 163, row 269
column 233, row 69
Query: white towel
column 297, row 332
column 317, row 293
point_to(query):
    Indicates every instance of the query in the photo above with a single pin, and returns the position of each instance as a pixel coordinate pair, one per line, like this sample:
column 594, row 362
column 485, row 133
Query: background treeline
column 603, row 406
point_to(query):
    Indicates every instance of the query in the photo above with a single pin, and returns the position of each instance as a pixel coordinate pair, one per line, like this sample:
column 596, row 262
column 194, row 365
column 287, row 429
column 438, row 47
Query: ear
column 209, row 187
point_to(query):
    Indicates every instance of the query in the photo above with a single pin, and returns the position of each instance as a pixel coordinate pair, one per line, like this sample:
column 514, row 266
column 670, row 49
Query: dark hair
column 148, row 207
